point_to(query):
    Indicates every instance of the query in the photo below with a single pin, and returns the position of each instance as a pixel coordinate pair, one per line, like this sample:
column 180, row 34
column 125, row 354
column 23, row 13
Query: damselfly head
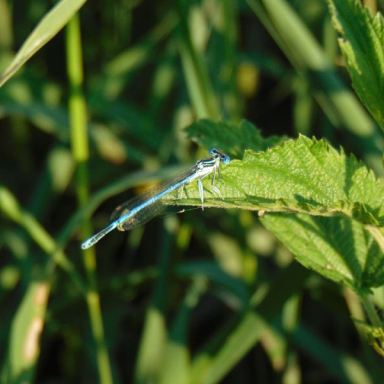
column 218, row 154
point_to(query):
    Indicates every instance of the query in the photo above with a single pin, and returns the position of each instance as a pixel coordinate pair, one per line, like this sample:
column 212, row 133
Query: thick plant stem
column 80, row 151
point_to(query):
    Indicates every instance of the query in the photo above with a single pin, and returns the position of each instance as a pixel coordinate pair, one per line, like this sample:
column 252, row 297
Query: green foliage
column 308, row 177
column 231, row 138
column 193, row 298
column 49, row 26
column 26, row 330
column 362, row 46
column 312, row 62
column 338, row 248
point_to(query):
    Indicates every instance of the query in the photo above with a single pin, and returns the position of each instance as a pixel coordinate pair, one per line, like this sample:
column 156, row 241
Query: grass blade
column 48, row 27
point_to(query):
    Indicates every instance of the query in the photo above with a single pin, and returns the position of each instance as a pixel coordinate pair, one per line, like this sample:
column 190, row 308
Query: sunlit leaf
column 338, row 248
column 25, row 335
column 362, row 44
column 310, row 177
column 48, row 27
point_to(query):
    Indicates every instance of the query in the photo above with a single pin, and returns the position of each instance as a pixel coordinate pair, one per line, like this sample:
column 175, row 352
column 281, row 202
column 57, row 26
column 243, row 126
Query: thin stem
column 80, row 151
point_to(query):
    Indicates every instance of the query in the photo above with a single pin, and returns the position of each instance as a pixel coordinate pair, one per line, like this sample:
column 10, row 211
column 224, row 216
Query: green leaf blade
column 337, row 248
column 48, row 27
column 362, row 46
column 25, row 334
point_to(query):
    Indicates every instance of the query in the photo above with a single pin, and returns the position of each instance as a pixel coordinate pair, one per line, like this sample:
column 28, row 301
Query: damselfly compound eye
column 226, row 159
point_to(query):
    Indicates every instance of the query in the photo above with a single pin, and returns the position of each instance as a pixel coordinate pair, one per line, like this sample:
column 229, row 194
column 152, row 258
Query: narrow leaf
column 48, row 27
column 307, row 56
column 211, row 366
column 24, row 345
column 176, row 364
column 342, row 365
column 216, row 275
column 152, row 347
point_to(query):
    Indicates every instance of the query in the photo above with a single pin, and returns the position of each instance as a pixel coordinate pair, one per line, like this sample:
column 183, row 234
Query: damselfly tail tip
column 95, row 238
column 86, row 245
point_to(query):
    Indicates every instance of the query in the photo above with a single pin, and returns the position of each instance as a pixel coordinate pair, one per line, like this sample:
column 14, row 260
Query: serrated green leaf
column 301, row 176
column 362, row 44
column 310, row 177
column 231, row 138
column 338, row 248
column 48, row 27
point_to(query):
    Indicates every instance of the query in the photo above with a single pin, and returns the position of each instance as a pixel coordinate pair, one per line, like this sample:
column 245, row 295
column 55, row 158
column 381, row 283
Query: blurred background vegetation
column 200, row 297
